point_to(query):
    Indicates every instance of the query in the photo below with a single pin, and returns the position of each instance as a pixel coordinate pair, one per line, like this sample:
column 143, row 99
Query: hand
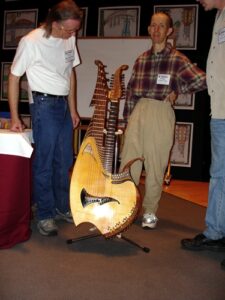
column 172, row 97
column 75, row 120
column 17, row 126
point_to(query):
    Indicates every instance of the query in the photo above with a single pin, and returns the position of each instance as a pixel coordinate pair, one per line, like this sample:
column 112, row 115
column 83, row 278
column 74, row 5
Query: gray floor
column 49, row 268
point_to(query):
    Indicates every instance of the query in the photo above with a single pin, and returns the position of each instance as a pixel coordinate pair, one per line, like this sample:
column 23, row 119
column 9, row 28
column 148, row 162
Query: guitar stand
column 120, row 236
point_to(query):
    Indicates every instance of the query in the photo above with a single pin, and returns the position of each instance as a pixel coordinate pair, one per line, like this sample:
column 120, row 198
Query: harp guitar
column 108, row 200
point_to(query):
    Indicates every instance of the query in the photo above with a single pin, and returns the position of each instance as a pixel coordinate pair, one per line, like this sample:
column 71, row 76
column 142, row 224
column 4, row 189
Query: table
column 15, row 187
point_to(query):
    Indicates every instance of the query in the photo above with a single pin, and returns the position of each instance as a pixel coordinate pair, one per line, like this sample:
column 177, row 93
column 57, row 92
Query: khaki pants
column 149, row 134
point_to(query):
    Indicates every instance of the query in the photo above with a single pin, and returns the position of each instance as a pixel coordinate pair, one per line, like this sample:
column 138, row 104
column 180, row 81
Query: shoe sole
column 148, row 226
column 46, row 233
column 203, row 248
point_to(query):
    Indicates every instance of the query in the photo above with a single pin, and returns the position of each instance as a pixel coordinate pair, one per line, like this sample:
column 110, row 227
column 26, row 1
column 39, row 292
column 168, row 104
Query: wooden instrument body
column 108, row 201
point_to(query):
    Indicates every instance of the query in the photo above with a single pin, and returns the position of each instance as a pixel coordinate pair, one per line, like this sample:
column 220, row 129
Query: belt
column 34, row 93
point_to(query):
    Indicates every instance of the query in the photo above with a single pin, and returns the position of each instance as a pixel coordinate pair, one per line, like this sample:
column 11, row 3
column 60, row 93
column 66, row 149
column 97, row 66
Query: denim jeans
column 215, row 214
column 53, row 154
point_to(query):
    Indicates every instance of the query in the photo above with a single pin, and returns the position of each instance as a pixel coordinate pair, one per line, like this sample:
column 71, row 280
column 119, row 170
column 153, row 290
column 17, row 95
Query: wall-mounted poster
column 185, row 22
column 82, row 31
column 185, row 101
column 121, row 21
column 23, row 96
column 182, row 149
column 17, row 23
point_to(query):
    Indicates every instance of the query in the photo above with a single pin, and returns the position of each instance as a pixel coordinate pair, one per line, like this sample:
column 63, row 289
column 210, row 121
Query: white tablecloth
column 16, row 143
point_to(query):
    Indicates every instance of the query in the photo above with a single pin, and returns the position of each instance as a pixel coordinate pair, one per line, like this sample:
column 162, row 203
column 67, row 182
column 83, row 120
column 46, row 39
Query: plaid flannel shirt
column 185, row 77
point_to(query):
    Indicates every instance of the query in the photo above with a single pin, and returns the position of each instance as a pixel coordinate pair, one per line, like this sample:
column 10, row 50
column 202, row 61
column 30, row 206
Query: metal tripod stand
column 120, row 235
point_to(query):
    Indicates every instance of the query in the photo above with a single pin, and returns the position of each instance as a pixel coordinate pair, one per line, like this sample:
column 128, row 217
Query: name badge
column 163, row 79
column 69, row 55
column 221, row 36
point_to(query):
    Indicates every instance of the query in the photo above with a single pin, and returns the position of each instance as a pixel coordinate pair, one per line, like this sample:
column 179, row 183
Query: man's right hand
column 17, row 126
column 172, row 97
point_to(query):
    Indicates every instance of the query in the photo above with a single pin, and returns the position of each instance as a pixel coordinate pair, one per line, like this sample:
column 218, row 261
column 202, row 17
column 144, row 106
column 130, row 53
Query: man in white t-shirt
column 48, row 56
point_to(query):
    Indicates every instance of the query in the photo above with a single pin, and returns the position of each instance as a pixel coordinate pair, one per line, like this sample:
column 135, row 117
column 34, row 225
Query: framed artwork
column 181, row 152
column 4, row 80
column 82, row 31
column 185, row 101
column 18, row 23
column 4, row 83
column 185, row 22
column 121, row 21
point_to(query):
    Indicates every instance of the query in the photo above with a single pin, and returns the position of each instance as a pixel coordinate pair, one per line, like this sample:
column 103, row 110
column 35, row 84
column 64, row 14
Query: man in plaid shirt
column 158, row 76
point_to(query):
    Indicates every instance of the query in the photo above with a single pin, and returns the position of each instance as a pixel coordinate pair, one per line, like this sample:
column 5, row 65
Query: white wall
column 112, row 52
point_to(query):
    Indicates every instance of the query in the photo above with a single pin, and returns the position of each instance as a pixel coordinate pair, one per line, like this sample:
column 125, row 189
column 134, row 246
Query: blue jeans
column 53, row 154
column 215, row 214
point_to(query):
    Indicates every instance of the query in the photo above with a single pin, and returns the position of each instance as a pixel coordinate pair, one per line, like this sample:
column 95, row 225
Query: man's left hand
column 75, row 119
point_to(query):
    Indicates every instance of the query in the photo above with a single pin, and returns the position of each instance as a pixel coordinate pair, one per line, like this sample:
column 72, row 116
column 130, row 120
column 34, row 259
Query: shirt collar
column 166, row 51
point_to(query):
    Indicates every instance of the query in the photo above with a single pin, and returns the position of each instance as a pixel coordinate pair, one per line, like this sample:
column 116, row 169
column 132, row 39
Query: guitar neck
column 100, row 102
column 112, row 124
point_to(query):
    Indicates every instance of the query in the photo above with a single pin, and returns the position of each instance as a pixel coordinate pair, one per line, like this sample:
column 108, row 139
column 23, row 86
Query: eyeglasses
column 69, row 31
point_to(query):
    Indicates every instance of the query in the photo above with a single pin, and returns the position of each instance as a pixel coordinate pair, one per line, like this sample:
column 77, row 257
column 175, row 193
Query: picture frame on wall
column 83, row 29
column 5, row 69
column 185, row 101
column 18, row 23
column 23, row 92
column 121, row 21
column 185, row 23
column 181, row 152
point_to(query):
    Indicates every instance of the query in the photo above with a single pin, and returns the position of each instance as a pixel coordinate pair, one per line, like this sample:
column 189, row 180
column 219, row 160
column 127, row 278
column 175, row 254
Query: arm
column 13, row 97
column 72, row 100
column 128, row 105
column 130, row 100
column 192, row 78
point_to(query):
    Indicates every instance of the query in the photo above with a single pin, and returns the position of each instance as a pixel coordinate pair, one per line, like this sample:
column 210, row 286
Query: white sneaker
column 47, row 227
column 149, row 221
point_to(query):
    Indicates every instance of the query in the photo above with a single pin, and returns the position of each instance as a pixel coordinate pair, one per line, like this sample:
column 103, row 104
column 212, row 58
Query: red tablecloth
column 15, row 195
